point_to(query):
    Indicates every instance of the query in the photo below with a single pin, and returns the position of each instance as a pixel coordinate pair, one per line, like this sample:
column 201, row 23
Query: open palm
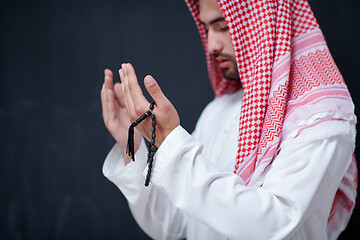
column 115, row 115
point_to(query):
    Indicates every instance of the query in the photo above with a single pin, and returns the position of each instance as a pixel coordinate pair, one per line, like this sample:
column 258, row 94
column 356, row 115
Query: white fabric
column 194, row 193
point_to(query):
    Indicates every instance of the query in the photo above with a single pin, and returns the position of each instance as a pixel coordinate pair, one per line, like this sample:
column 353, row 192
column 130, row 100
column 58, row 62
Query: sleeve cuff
column 168, row 152
column 115, row 169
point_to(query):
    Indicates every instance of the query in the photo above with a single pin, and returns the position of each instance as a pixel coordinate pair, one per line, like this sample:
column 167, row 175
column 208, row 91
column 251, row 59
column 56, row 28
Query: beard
column 230, row 73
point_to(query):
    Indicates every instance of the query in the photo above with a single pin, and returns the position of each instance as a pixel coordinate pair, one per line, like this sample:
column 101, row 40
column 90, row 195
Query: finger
column 121, row 73
column 108, row 81
column 155, row 92
column 108, row 75
column 111, row 105
column 137, row 103
column 104, row 101
column 140, row 102
column 119, row 94
column 129, row 104
column 108, row 99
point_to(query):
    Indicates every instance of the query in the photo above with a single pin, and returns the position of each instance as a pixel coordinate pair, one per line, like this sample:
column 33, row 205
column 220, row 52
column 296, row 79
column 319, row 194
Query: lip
column 223, row 62
column 220, row 59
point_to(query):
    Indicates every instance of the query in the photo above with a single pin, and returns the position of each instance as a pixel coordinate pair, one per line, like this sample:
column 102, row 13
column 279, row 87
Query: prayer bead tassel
column 130, row 144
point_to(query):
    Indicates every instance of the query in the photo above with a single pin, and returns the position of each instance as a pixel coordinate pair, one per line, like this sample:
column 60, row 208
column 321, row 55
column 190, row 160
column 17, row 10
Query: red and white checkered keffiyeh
column 284, row 66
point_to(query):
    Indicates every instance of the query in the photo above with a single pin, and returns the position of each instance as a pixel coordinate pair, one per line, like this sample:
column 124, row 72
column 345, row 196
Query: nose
column 214, row 43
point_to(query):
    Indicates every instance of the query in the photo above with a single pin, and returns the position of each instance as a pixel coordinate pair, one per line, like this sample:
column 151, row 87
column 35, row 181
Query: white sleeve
column 151, row 208
column 296, row 184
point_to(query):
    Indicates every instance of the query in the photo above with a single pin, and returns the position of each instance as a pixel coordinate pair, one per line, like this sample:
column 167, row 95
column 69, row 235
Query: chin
column 231, row 75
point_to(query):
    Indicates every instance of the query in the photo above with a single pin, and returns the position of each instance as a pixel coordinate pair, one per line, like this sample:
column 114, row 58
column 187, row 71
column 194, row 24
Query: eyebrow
column 219, row 19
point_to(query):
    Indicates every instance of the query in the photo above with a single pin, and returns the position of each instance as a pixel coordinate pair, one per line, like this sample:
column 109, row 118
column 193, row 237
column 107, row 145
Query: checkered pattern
column 260, row 31
column 303, row 18
column 265, row 36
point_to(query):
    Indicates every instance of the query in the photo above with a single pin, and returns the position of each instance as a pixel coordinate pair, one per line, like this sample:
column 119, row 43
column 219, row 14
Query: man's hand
column 115, row 115
column 136, row 104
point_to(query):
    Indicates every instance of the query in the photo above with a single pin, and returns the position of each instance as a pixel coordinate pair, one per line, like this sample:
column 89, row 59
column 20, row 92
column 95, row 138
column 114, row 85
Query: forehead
column 209, row 10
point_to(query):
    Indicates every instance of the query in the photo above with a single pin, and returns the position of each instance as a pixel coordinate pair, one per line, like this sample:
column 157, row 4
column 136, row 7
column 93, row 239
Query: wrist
column 127, row 158
column 164, row 136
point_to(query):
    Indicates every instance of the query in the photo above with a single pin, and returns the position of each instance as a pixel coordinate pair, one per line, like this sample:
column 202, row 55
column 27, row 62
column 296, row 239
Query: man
column 271, row 156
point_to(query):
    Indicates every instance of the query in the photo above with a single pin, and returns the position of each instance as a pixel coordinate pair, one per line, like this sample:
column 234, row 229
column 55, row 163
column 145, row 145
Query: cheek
column 231, row 48
column 228, row 44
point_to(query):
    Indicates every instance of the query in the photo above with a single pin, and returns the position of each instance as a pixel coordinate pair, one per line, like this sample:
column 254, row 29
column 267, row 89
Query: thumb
column 154, row 90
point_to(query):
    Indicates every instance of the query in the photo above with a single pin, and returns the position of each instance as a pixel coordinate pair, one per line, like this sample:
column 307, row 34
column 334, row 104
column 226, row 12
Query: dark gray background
column 52, row 139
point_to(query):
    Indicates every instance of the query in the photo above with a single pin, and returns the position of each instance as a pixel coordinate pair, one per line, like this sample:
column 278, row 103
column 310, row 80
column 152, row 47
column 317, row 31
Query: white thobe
column 194, row 193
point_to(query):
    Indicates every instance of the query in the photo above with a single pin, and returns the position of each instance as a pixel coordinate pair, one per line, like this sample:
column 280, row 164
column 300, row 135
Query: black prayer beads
column 151, row 148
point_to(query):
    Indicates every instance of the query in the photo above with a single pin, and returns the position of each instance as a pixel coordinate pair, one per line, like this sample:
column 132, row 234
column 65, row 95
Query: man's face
column 219, row 40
